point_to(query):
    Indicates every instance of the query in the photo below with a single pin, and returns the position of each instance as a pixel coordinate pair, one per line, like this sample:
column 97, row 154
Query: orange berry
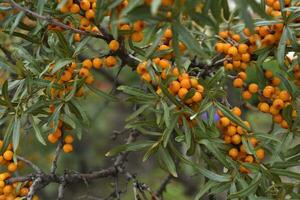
column 231, row 130
column 242, row 48
column 284, row 95
column 236, row 37
column 224, row 121
column 12, row 167
column 253, row 88
column 66, row 76
column 114, row 45
column 232, row 51
column 249, row 159
column 84, row 72
column 264, row 107
column 278, row 104
column 246, row 32
column 142, row 68
column 24, row 191
column 219, row 47
column 174, row 86
column 284, row 124
column 8, row 189
column 246, row 95
column 236, row 139
column 138, row 25
column 197, row 97
column 260, row 153
column 233, row 153
column 253, row 141
column 146, row 77
column 226, row 48
column 223, row 34
column 268, row 91
column 175, row 72
column 87, row 63
column 270, row 2
column 110, row 61
column 246, row 57
column 244, row 170
column 182, row 92
column 69, row 139
column 242, row 75
column 8, row 155
column 194, row 82
column 137, row 36
column 277, row 118
column 238, row 83
column 237, row 111
column 74, row 8
column 168, row 33
column 68, row 148
column 89, row 79
column 85, row 5
column 97, row 63
column 77, row 37
column 57, row 133
column 276, row 81
column 163, row 63
column 268, row 74
column 227, row 139
column 185, row 83
column 52, row 138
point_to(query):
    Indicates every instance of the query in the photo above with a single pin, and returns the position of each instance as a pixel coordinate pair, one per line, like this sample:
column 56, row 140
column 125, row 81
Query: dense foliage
column 202, row 66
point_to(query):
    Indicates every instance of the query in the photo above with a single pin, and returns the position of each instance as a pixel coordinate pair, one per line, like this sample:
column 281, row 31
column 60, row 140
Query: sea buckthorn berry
column 68, row 148
column 114, row 45
column 253, row 141
column 12, row 167
column 163, row 63
column 97, row 63
column 223, row 34
column 242, row 48
column 138, row 25
column 89, row 79
column 110, row 61
column 274, row 110
column 168, row 33
column 52, row 138
column 249, row 159
column 236, row 139
column 277, row 118
column 236, row 37
column 253, row 88
column 174, row 86
column 182, row 92
column 137, row 36
column 185, row 83
column 77, row 37
column 232, row 51
column 268, row 74
column 268, row 91
column 284, row 95
column 276, row 81
column 278, row 104
column 87, row 63
column 85, row 5
column 8, row 189
column 194, row 82
column 83, row 72
column 246, row 57
column 197, row 97
column 69, row 139
column 226, row 47
column 175, row 72
column 219, row 47
column 224, row 121
column 146, row 77
column 75, row 8
column 233, row 153
column 66, row 76
column 200, row 88
column 141, row 68
column 24, row 191
column 284, row 124
column 238, row 83
column 237, row 111
column 246, row 95
column 260, row 154
column 231, row 130
column 8, row 155
column 90, row 14
column 227, row 139
column 264, row 107
column 242, row 75
column 244, row 170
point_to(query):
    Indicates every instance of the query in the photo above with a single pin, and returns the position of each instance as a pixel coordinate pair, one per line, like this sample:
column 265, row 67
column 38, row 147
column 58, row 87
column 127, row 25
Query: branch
column 33, row 166
column 163, row 185
column 57, row 153
column 54, row 21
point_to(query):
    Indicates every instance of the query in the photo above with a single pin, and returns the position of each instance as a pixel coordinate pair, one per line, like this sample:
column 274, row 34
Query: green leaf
column 168, row 131
column 38, row 132
column 155, row 6
column 5, row 93
column 187, row 133
column 286, row 83
column 99, row 14
column 219, row 75
column 167, row 161
column 248, row 190
column 188, row 39
column 204, row 189
column 135, row 92
column 76, row 108
column 284, row 172
column 156, row 42
column 166, row 113
column 16, row 133
column 281, row 48
column 170, row 97
column 7, row 135
column 231, row 116
column 60, row 64
column 136, row 146
column 19, row 17
column 103, row 94
column 154, row 148
column 136, row 113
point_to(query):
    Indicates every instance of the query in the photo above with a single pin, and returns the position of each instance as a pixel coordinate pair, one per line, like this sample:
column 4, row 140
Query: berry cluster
column 232, row 134
column 11, row 191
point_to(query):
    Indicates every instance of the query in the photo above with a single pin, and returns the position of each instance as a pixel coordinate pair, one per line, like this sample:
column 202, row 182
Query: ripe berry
column 8, row 155
column 110, row 61
column 253, row 88
column 197, row 97
column 67, row 148
column 224, row 121
column 84, row 72
column 137, row 36
column 97, row 63
column 238, row 83
column 236, row 139
column 185, row 83
column 182, row 92
column 246, row 95
column 85, row 5
column 233, row 153
column 237, row 111
column 260, row 153
column 114, row 45
column 243, row 48
column 12, row 167
column 87, row 63
column 264, row 107
column 232, row 51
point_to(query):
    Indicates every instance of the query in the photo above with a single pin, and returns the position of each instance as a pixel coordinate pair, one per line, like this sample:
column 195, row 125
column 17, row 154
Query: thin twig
column 29, row 163
column 57, row 153
column 163, row 185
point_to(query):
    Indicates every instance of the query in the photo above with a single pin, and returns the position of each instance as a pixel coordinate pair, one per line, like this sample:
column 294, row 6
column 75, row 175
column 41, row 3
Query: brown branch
column 54, row 21
column 163, row 185
column 29, row 163
column 57, row 153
